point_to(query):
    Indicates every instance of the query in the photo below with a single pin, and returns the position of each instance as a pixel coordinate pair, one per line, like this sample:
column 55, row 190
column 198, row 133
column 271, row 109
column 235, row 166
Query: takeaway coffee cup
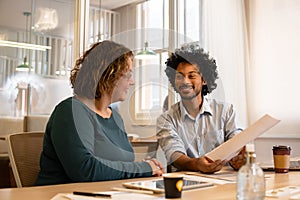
column 281, row 156
column 173, row 184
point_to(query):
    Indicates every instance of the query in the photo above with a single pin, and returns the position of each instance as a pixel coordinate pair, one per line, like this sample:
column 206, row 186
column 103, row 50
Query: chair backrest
column 144, row 148
column 24, row 150
column 9, row 125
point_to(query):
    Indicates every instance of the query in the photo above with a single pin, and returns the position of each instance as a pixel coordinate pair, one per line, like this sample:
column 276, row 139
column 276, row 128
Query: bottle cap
column 250, row 147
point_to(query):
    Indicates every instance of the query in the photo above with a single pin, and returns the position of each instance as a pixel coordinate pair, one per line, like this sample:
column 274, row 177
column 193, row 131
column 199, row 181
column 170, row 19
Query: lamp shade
column 24, row 67
column 145, row 53
column 47, row 19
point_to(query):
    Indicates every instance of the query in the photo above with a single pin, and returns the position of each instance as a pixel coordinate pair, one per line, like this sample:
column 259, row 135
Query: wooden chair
column 9, row 125
column 24, row 150
column 144, row 148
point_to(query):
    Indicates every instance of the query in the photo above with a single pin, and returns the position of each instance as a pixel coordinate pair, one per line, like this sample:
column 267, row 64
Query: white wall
column 275, row 64
column 275, row 68
column 264, row 148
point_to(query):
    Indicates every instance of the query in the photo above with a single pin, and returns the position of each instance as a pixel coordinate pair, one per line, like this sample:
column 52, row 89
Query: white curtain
column 225, row 37
column 275, row 64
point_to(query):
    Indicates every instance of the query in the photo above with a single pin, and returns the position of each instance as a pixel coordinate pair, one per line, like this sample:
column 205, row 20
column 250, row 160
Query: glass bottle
column 250, row 178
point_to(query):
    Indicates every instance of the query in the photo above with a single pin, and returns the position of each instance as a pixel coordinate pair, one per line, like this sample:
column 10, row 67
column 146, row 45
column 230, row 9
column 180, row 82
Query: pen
column 92, row 194
column 133, row 190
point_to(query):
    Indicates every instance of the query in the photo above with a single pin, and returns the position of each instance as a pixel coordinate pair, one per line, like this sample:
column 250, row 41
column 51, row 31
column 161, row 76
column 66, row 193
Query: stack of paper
column 230, row 148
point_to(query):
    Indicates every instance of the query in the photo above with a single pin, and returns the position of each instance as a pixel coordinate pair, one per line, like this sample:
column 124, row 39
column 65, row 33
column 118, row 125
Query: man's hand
column 202, row 164
column 205, row 165
column 238, row 161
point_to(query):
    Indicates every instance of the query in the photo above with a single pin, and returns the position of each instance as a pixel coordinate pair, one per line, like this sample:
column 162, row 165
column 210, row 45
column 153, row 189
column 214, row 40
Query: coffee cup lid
column 172, row 175
column 281, row 147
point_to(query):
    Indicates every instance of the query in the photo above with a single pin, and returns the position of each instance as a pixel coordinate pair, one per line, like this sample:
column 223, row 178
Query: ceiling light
column 22, row 45
column 24, row 67
column 145, row 53
column 47, row 19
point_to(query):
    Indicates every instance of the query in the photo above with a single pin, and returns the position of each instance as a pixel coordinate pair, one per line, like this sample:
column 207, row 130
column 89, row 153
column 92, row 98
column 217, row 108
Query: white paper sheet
column 228, row 149
column 127, row 196
column 212, row 178
column 284, row 192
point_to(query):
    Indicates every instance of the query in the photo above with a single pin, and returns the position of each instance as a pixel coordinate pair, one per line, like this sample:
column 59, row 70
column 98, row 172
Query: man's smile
column 186, row 88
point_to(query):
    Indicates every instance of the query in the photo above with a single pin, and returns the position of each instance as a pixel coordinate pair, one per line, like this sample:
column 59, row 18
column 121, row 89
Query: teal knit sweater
column 81, row 146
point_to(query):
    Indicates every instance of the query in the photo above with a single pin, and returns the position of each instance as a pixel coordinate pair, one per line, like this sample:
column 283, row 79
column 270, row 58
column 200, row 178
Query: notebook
column 157, row 185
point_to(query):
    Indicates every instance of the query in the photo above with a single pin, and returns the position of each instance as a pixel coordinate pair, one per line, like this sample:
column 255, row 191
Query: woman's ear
column 204, row 82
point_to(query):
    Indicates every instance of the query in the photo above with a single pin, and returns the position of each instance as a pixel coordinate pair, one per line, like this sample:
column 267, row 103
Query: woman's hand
column 157, row 167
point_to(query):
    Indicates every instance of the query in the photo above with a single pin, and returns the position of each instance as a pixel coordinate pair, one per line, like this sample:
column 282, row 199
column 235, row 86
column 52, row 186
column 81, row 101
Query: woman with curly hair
column 195, row 125
column 85, row 139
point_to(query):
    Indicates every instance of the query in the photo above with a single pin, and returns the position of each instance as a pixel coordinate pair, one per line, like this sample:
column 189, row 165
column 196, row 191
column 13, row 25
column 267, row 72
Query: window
column 188, row 20
column 103, row 24
column 151, row 89
column 154, row 21
column 151, row 83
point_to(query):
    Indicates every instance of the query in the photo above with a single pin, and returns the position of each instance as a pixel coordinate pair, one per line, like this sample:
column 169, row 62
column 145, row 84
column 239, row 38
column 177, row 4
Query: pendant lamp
column 24, row 66
column 47, row 19
column 145, row 53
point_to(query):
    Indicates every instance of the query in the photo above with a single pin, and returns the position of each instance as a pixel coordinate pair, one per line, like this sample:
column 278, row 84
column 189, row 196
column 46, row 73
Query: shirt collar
column 206, row 106
column 204, row 109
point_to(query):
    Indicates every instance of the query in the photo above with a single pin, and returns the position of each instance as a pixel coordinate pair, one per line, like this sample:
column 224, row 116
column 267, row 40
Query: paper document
column 124, row 195
column 212, row 178
column 228, row 149
column 287, row 192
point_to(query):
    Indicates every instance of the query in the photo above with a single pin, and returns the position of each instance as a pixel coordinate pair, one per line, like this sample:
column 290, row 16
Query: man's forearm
column 183, row 162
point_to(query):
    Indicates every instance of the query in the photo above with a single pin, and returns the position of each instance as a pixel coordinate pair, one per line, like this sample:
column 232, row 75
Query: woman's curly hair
column 193, row 54
column 99, row 69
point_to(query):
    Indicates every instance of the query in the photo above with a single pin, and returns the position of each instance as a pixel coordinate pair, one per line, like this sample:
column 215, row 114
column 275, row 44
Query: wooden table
column 226, row 192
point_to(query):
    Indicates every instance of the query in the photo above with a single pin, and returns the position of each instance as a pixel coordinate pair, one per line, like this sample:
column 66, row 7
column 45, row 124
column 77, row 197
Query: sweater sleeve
column 79, row 163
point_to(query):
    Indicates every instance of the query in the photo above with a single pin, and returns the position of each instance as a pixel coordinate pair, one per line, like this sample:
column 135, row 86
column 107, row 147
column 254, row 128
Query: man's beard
column 194, row 95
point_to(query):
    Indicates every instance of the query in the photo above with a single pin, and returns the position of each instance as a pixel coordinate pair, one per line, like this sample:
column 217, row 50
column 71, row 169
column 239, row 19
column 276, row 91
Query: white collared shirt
column 178, row 131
